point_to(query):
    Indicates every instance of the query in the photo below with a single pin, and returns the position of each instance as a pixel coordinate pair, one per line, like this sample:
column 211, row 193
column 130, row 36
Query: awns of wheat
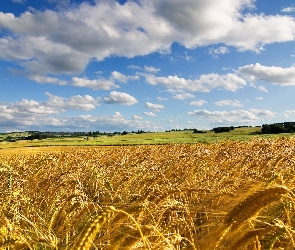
column 247, row 209
column 253, row 204
column 85, row 240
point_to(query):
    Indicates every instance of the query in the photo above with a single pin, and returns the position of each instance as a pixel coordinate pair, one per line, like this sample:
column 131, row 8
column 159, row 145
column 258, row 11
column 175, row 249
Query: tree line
column 276, row 128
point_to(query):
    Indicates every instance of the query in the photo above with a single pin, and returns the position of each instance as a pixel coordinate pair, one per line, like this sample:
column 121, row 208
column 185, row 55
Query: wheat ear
column 85, row 241
column 253, row 204
column 258, row 232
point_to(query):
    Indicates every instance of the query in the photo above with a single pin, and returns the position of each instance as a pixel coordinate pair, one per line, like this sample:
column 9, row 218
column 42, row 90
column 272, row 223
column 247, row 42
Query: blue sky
column 145, row 64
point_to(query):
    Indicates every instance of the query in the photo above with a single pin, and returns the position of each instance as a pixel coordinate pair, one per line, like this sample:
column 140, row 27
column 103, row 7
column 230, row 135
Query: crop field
column 204, row 196
column 148, row 138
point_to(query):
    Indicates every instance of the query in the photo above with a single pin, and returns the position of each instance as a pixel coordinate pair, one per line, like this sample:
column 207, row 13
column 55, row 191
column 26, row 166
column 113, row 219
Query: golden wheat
column 253, row 204
column 166, row 197
column 85, row 240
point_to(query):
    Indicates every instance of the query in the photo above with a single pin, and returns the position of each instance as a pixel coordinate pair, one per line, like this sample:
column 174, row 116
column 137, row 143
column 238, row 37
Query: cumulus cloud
column 98, row 84
column 150, row 114
column 137, row 117
column 133, row 67
column 232, row 103
column 288, row 9
column 233, row 117
column 252, row 32
column 47, row 79
column 260, row 98
column 259, row 87
column 198, row 103
column 32, row 115
column 205, row 83
column 120, row 98
column 154, row 105
column 288, row 113
column 275, row 75
column 151, row 69
column 77, row 102
column 66, row 40
column 162, row 98
column 218, row 51
column 183, row 96
column 101, row 83
column 117, row 76
column 30, row 112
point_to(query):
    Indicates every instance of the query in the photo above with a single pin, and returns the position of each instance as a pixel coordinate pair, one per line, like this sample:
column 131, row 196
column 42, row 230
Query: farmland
column 230, row 194
column 149, row 138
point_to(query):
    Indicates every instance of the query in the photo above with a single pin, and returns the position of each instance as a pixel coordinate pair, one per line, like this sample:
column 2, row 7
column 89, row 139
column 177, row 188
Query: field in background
column 224, row 195
column 144, row 139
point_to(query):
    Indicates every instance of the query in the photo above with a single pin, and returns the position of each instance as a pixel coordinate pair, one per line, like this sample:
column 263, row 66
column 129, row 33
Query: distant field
column 144, row 139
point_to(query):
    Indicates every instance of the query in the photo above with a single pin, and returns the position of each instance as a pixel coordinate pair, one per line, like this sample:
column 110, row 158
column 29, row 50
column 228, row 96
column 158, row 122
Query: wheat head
column 85, row 241
column 253, row 204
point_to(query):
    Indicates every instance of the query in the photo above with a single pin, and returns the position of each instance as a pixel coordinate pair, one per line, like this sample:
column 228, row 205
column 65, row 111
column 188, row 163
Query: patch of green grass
column 241, row 134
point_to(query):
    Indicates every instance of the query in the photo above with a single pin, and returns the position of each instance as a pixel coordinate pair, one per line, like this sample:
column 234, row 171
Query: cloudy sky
column 72, row 65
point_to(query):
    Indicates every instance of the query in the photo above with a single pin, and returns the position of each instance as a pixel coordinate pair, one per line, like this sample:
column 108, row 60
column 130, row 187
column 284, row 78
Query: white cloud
column 218, row 51
column 232, row 103
column 102, row 83
column 99, row 84
column 150, row 114
column 120, row 98
column 233, row 117
column 262, row 88
column 252, row 32
column 288, row 9
column 263, row 112
column 31, row 115
column 77, row 102
column 47, row 79
column 122, row 78
column 259, row 87
column 183, row 96
column 162, row 98
column 188, row 58
column 30, row 112
column 274, row 75
column 288, row 113
column 151, row 69
column 137, row 117
column 153, row 105
column 198, row 103
column 259, row 98
column 65, row 41
column 133, row 67
column 204, row 84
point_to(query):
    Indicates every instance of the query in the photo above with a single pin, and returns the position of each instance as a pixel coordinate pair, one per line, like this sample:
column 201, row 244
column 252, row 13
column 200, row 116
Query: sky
column 152, row 65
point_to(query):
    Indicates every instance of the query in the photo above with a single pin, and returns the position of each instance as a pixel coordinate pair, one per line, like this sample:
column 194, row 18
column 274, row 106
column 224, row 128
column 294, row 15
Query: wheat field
column 226, row 195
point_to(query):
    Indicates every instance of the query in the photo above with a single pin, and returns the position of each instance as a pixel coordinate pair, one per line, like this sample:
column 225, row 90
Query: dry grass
column 229, row 195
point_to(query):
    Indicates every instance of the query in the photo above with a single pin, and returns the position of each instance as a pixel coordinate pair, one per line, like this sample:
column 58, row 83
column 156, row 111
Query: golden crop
column 228, row 195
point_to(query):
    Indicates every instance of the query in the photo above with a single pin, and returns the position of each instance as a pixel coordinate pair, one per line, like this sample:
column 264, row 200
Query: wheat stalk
column 85, row 240
column 253, row 204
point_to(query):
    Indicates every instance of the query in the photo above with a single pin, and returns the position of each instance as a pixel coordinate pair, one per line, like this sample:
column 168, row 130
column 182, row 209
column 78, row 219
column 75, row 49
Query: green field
column 149, row 138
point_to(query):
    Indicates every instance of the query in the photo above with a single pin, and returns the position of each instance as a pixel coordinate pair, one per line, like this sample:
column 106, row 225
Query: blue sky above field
column 145, row 64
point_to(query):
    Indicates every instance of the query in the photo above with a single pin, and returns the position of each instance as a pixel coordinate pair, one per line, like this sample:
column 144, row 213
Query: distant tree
column 222, row 129
column 198, row 131
column 266, row 129
column 275, row 128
